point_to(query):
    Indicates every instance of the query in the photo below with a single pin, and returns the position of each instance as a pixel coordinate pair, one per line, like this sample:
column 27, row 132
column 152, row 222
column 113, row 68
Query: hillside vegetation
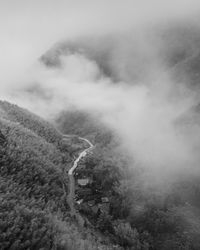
column 34, row 213
column 140, row 216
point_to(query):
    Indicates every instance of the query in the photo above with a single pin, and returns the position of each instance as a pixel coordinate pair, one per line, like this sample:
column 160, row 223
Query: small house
column 84, row 182
column 79, row 201
column 104, row 200
column 91, row 203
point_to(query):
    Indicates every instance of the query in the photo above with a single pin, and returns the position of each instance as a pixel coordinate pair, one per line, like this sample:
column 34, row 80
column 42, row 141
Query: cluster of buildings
column 88, row 197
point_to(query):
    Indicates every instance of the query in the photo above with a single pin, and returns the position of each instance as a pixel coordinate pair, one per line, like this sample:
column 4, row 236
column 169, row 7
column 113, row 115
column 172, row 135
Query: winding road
column 71, row 194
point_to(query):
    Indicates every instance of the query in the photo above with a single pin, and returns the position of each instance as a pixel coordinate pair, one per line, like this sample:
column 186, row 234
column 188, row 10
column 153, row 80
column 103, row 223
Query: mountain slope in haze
column 34, row 212
column 141, row 216
column 91, row 127
column 177, row 49
column 30, row 121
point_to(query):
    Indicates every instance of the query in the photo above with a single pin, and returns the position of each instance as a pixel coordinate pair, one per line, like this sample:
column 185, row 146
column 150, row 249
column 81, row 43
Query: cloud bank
column 113, row 61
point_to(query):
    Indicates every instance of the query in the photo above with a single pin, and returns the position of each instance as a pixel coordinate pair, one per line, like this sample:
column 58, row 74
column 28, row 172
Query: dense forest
column 34, row 213
column 140, row 216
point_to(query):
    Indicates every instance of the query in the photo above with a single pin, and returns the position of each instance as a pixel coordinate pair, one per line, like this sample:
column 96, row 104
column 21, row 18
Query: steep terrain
column 138, row 215
column 34, row 213
column 121, row 209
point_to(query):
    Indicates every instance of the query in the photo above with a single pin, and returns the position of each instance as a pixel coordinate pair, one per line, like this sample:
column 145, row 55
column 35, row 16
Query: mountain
column 177, row 50
column 121, row 208
column 141, row 216
column 34, row 213
column 34, row 210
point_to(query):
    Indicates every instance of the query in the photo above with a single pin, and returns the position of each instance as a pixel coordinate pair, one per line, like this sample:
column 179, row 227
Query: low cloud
column 119, row 71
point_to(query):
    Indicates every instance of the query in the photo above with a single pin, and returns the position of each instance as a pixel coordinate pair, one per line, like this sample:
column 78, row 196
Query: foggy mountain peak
column 128, row 80
column 120, row 82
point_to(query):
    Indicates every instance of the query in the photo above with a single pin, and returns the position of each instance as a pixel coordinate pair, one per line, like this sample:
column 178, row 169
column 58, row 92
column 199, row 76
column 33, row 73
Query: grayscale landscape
column 99, row 125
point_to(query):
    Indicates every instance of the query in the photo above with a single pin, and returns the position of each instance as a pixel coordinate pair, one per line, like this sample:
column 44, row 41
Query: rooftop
column 84, row 181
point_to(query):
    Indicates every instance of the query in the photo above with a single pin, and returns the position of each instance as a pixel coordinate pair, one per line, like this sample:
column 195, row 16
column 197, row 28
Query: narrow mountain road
column 71, row 194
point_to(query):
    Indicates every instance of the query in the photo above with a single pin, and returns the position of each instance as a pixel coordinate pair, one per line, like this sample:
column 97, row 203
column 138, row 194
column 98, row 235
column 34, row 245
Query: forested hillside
column 34, row 212
column 30, row 121
column 140, row 216
column 84, row 124
column 113, row 163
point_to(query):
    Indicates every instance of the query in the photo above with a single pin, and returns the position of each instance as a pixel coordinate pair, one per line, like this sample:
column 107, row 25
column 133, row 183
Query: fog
column 117, row 71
